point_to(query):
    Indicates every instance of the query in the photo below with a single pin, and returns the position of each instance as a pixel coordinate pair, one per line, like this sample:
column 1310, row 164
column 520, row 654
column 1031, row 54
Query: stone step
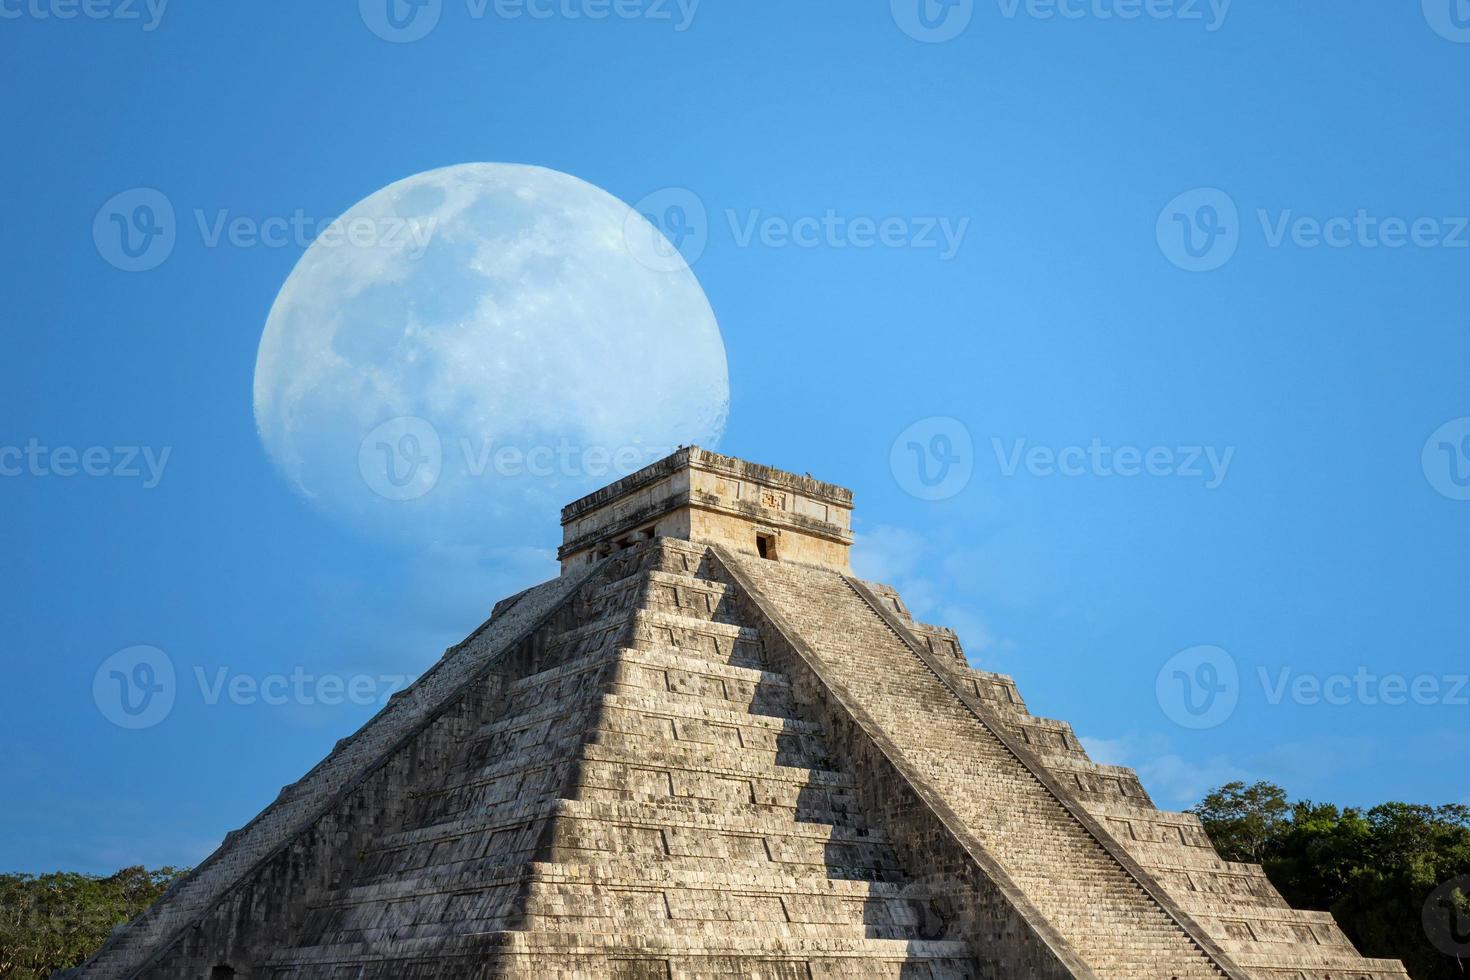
column 618, row 942
column 688, row 813
column 1275, row 925
column 1177, row 857
column 634, row 873
column 656, row 670
column 720, row 642
column 636, row 676
column 587, row 637
column 579, row 841
column 737, row 907
column 684, row 708
column 767, row 879
column 997, row 690
column 612, row 913
column 1287, row 960
column 673, row 658
column 1240, row 886
column 714, row 760
column 761, row 748
column 687, row 596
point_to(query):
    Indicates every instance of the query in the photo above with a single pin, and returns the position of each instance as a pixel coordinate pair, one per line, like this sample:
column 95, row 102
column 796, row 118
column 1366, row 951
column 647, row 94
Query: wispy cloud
column 917, row 568
column 1172, row 780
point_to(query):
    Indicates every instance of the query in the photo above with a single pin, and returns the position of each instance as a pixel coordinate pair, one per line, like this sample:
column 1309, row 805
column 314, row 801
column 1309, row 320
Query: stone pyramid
column 706, row 750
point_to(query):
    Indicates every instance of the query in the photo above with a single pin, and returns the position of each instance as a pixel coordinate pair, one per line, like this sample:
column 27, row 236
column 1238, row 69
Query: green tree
column 1373, row 870
column 1244, row 821
column 55, row 921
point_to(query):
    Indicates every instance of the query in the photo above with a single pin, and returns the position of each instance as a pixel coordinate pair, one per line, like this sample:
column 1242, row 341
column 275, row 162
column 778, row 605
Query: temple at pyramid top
column 697, row 495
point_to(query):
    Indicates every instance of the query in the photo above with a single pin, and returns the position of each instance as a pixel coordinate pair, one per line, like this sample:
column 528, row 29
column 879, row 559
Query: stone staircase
column 1233, row 905
column 1098, row 908
column 647, row 802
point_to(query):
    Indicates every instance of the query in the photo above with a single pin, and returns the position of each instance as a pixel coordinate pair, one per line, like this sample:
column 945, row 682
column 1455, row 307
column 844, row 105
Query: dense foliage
column 1375, row 870
column 54, row 921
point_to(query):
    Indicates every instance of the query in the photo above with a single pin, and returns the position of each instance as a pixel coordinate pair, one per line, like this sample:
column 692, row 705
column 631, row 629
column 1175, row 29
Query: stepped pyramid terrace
column 706, row 750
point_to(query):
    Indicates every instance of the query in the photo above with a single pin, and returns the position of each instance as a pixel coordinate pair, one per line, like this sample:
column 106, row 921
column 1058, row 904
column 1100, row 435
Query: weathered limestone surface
column 698, row 495
column 683, row 760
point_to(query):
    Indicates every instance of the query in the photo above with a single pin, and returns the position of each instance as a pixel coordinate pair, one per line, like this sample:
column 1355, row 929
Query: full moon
column 468, row 349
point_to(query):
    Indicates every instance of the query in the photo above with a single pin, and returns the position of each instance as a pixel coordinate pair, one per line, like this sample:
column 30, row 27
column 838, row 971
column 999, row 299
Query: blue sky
column 1248, row 440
